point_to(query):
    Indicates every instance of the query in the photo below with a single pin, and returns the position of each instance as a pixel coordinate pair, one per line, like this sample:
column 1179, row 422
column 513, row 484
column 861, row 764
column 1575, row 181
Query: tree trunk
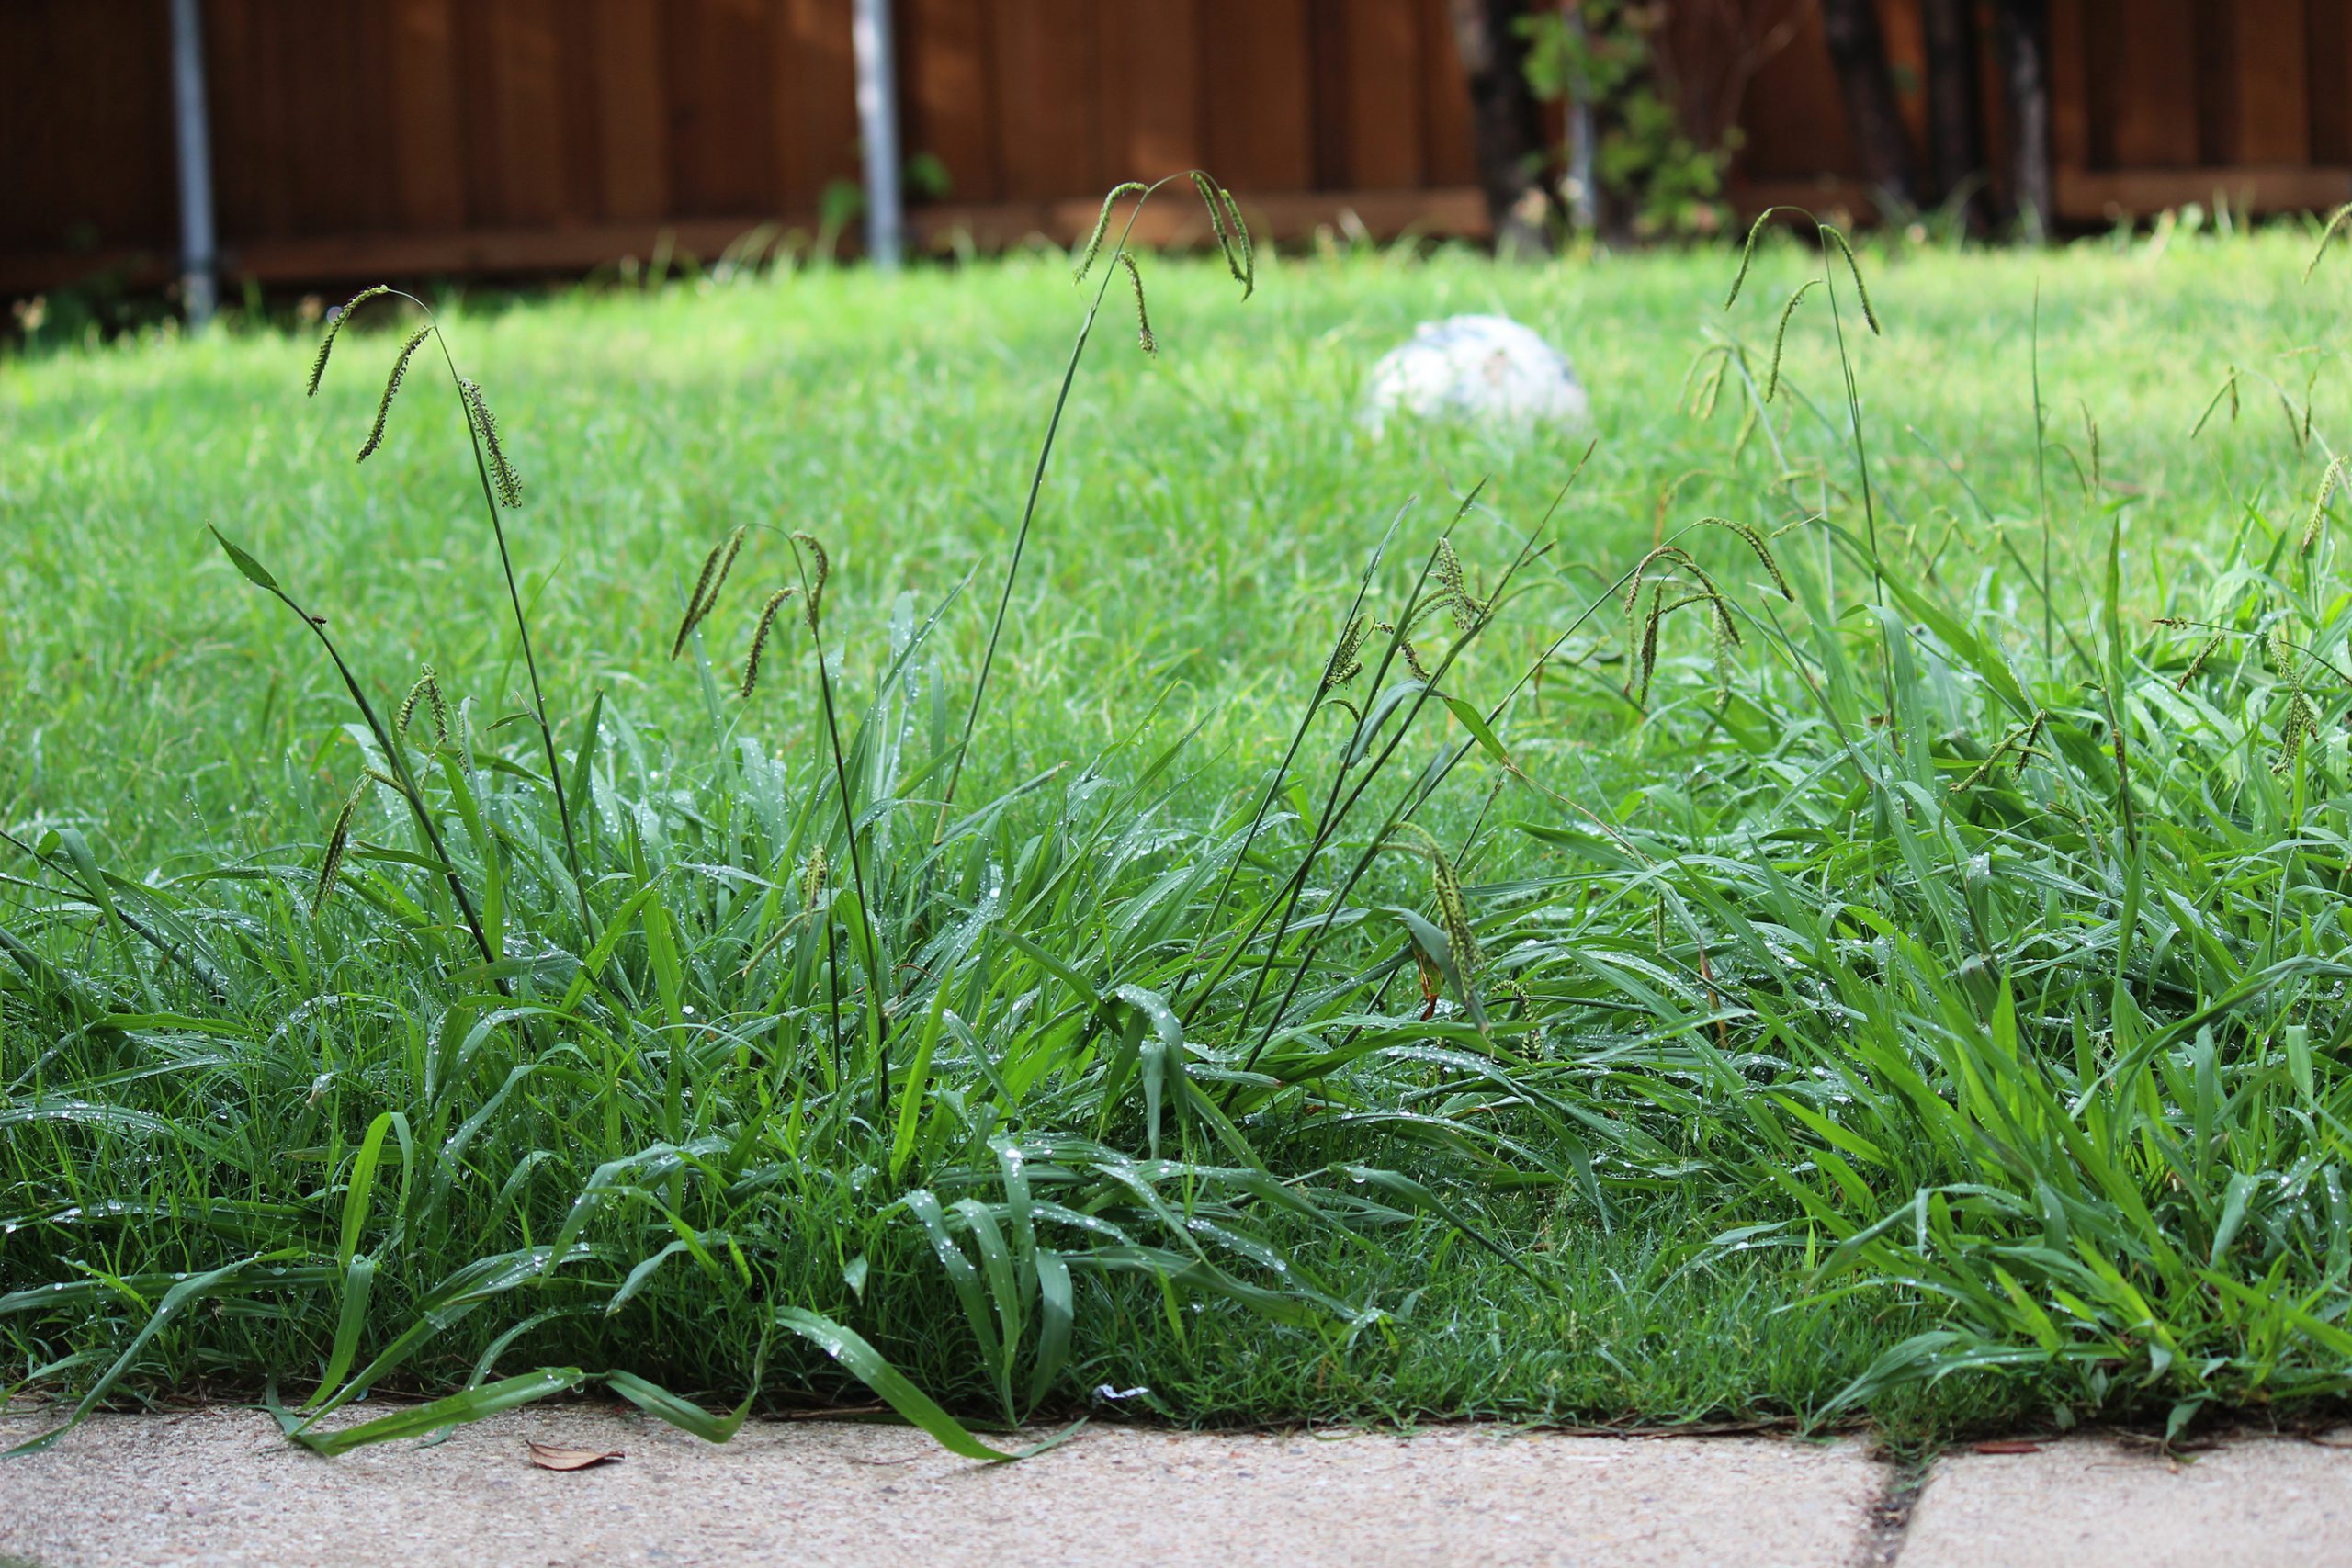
column 1955, row 133
column 2023, row 28
column 1859, row 51
column 1507, row 123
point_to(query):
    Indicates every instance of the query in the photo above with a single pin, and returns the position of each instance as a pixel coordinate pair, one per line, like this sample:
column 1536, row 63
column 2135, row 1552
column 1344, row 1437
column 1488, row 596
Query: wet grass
column 1833, row 1021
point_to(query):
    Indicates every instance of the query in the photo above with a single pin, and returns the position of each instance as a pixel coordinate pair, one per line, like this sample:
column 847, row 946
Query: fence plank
column 1449, row 156
column 475, row 125
column 815, row 120
column 632, row 124
column 1149, row 97
column 336, row 166
column 424, row 114
column 581, row 183
column 1256, row 61
column 2149, row 66
column 1797, row 117
column 1042, row 59
column 944, row 61
column 2069, row 122
column 2327, row 78
column 1385, row 127
column 246, row 80
column 91, row 165
column 526, row 110
column 2273, row 111
column 1328, row 92
column 717, row 82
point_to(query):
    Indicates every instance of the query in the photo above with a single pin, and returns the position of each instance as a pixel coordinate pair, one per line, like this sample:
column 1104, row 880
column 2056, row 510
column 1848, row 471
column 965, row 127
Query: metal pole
column 877, row 120
column 198, row 292
column 1584, row 202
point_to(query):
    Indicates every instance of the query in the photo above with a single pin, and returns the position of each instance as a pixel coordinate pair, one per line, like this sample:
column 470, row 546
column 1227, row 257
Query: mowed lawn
column 1621, row 1200
column 1206, row 518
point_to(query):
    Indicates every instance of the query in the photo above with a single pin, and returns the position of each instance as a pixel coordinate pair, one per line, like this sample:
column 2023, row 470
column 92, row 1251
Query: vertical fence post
column 877, row 123
column 1584, row 202
column 198, row 291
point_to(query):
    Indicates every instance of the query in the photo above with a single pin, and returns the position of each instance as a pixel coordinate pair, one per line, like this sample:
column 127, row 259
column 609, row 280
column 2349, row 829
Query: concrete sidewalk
column 220, row 1486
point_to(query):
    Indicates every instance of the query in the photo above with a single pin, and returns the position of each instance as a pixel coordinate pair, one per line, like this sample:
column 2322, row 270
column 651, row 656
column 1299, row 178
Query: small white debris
column 1486, row 370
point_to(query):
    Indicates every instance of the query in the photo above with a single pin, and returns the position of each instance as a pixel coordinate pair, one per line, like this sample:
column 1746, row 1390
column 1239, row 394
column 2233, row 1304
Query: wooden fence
column 416, row 137
column 452, row 136
column 2154, row 104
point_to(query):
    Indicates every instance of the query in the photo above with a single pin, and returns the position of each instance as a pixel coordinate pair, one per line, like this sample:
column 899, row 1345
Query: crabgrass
column 1835, row 1021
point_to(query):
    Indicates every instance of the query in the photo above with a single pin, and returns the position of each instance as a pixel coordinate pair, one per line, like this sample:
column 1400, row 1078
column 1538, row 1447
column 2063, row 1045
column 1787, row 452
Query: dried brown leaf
column 546, row 1456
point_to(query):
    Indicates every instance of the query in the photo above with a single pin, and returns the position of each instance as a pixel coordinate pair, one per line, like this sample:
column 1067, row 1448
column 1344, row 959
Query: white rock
column 1486, row 370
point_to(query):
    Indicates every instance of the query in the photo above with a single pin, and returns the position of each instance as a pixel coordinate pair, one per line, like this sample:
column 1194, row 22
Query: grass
column 1857, row 1030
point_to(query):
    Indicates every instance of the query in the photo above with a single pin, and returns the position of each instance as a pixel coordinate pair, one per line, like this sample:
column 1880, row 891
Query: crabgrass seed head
column 1645, row 651
column 2300, row 724
column 2283, row 655
column 812, row 879
column 335, row 328
column 2318, row 521
column 693, row 600
column 760, row 638
column 1982, row 770
column 1703, row 397
column 726, row 565
column 503, row 478
column 1854, row 269
column 1453, row 912
column 1754, row 542
column 427, row 691
column 1241, row 241
column 2033, row 733
column 2229, row 389
column 407, row 710
column 1453, row 909
column 2335, row 221
column 1747, row 256
column 1101, row 227
column 1781, row 337
column 392, row 389
column 2018, row 742
column 817, row 583
column 1207, row 188
column 1449, row 579
column 2203, row 656
column 1232, row 239
column 707, row 582
column 1725, row 638
column 1453, row 588
column 1344, row 664
column 338, row 844
column 1143, row 339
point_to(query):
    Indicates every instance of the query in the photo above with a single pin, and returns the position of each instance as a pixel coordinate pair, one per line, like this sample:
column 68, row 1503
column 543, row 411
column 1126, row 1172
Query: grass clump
column 1920, row 1002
